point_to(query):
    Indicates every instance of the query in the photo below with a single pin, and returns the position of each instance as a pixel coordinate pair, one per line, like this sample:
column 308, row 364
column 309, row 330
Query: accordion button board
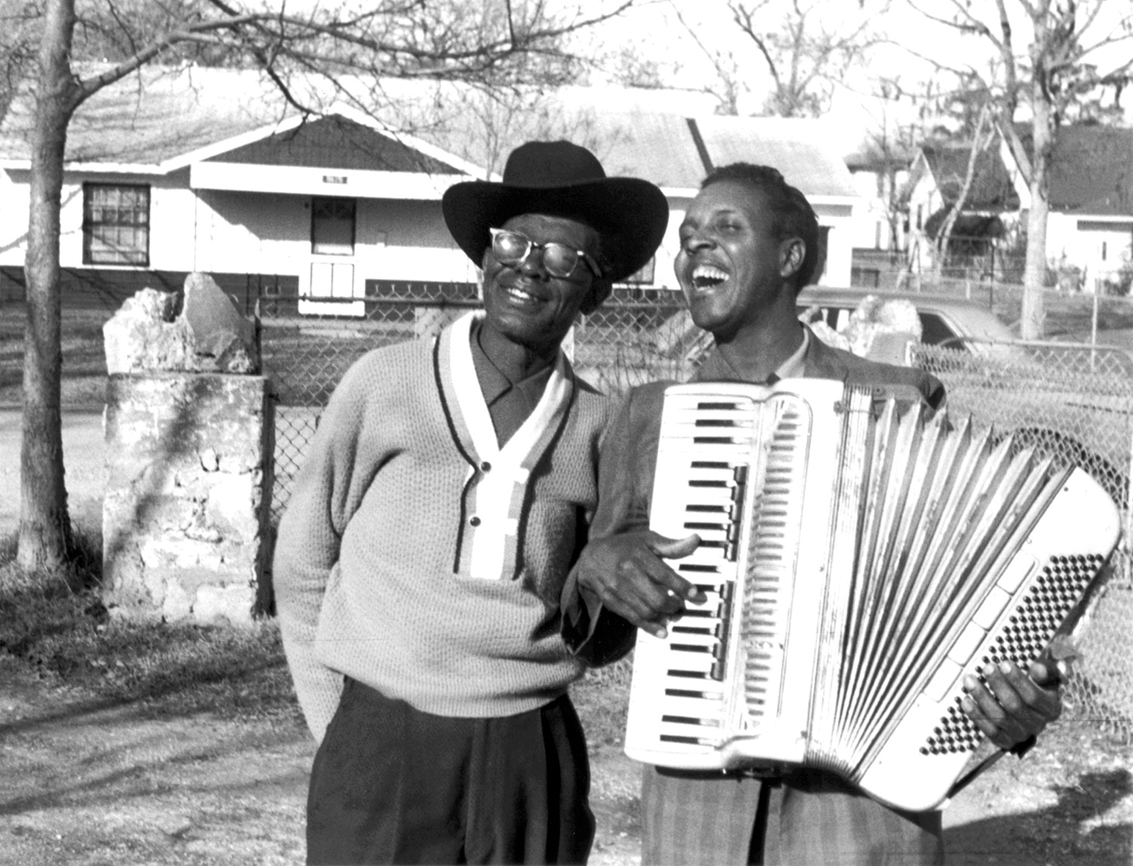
column 858, row 562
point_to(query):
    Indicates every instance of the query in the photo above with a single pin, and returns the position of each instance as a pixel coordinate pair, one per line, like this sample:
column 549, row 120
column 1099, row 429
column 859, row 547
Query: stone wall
column 189, row 445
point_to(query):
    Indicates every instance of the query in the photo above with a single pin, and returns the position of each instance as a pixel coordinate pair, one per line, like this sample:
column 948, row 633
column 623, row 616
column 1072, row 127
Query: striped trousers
column 808, row 819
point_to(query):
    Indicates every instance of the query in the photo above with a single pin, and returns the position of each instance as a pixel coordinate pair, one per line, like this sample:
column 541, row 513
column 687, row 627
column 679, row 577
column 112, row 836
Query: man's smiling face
column 731, row 266
column 524, row 303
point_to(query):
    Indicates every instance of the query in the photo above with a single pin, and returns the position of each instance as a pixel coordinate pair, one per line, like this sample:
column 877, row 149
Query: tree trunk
column 45, row 538
column 1033, row 318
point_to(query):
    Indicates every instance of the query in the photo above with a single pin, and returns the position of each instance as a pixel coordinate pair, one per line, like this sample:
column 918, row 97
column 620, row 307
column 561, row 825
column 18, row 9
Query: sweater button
column 486, row 466
column 474, row 521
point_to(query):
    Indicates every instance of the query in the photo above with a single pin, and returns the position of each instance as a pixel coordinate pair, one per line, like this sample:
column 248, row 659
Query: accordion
column 858, row 562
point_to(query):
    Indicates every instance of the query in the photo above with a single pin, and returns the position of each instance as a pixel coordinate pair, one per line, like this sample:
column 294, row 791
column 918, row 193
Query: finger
column 668, row 578
column 641, row 595
column 1049, row 673
column 985, row 705
column 1023, row 697
column 673, row 548
column 1010, row 707
column 985, row 714
column 639, row 615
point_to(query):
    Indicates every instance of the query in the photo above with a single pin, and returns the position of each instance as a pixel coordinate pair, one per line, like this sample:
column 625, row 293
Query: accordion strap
column 1019, row 749
column 970, row 776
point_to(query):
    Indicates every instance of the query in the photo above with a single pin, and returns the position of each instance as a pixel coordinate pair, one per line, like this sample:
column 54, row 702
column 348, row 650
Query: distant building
column 1089, row 235
column 936, row 182
column 880, row 231
column 1089, row 240
column 208, row 170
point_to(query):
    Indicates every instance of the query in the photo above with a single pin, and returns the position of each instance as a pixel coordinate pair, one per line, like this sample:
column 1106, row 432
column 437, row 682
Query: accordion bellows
column 858, row 563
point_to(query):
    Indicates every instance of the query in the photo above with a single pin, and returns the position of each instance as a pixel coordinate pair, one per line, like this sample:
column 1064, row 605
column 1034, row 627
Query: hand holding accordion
column 857, row 567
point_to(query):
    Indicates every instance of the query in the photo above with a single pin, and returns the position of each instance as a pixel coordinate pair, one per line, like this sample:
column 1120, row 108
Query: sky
column 655, row 33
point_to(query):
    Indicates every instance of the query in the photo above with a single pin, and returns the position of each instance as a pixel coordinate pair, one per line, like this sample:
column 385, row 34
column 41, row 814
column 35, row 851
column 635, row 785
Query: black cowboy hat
column 561, row 179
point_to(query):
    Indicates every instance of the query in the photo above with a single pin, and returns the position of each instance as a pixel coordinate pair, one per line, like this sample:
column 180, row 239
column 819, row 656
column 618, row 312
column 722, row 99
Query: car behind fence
column 1074, row 403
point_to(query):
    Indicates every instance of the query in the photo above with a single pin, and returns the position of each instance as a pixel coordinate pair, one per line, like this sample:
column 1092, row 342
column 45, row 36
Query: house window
column 115, row 224
column 332, row 226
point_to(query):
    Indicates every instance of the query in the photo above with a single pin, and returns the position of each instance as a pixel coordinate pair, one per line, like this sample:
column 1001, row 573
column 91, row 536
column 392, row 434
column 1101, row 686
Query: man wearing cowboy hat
column 423, row 552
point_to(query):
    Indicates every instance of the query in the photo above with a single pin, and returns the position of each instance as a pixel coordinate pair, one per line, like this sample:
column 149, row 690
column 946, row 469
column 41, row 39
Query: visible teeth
column 520, row 294
column 707, row 275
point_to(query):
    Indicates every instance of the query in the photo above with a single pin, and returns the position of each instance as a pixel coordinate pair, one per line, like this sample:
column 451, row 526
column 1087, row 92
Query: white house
column 1090, row 225
column 936, row 180
column 179, row 178
column 1089, row 239
column 206, row 170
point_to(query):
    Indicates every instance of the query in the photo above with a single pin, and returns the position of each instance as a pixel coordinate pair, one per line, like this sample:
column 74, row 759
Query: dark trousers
column 391, row 784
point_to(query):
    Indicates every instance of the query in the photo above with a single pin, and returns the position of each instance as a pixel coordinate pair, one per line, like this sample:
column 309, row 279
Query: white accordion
column 857, row 565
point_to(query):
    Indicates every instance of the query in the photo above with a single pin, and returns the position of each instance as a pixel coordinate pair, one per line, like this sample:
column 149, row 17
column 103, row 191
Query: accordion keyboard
column 704, row 460
column 721, row 665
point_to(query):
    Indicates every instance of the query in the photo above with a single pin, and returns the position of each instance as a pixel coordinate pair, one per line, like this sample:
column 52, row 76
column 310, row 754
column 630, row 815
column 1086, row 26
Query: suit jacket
column 628, row 461
column 809, row 816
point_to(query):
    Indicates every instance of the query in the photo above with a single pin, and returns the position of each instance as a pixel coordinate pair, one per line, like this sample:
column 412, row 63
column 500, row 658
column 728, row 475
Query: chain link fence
column 305, row 356
column 1075, row 402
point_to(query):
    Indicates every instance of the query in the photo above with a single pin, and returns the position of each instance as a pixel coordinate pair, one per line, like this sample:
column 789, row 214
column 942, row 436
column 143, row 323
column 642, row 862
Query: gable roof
column 992, row 190
column 1091, row 170
column 336, row 141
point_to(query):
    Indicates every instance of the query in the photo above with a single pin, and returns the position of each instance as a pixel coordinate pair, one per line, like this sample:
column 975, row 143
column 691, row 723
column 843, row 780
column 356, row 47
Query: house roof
column 155, row 116
column 336, row 142
column 161, row 119
column 164, row 119
column 992, row 190
column 803, row 150
column 873, row 159
column 1091, row 169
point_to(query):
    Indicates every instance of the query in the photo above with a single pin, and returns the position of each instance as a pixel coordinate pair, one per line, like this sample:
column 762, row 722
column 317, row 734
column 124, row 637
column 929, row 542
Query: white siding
column 14, row 201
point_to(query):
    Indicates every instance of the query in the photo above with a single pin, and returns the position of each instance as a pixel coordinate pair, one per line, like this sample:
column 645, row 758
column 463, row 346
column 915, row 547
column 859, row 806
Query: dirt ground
column 88, row 783
column 85, row 782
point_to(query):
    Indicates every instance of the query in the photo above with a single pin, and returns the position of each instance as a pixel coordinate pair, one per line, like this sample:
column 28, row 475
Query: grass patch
column 66, row 637
column 602, row 701
column 84, row 358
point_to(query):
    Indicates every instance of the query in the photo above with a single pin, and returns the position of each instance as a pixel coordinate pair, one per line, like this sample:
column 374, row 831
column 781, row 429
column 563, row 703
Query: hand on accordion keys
column 1013, row 707
column 627, row 573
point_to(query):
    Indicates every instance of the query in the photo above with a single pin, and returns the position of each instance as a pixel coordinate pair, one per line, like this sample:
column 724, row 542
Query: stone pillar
column 189, row 444
column 185, row 511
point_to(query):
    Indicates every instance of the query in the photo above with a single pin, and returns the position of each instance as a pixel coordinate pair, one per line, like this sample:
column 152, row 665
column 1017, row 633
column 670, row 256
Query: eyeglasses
column 512, row 248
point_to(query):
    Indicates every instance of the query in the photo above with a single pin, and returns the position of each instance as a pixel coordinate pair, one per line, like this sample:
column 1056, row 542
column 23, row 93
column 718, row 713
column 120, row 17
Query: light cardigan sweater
column 418, row 557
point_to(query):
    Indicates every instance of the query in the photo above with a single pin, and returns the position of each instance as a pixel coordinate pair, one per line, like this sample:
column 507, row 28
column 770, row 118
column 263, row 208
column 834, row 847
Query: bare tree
column 804, row 49
column 1052, row 76
column 500, row 41
column 18, row 39
column 888, row 148
column 982, row 138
